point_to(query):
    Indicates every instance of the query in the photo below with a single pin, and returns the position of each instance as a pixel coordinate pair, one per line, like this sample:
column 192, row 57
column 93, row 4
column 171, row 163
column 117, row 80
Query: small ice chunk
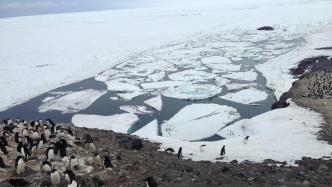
column 129, row 95
column 192, row 91
column 246, row 96
column 151, row 129
column 120, row 123
column 155, row 102
column 216, row 60
column 135, row 109
column 72, row 102
column 162, row 84
column 198, row 121
column 246, row 76
column 189, row 75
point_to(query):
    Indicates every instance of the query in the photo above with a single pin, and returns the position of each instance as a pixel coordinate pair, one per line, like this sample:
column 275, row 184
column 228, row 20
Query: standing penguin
column 223, row 151
column 69, row 176
column 107, row 162
column 55, row 177
column 180, row 153
column 50, row 153
column 20, row 165
column 97, row 160
column 73, row 162
column 46, row 166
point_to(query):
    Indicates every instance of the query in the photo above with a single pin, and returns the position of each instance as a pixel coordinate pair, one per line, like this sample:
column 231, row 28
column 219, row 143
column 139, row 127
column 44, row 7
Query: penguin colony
column 50, row 149
column 319, row 85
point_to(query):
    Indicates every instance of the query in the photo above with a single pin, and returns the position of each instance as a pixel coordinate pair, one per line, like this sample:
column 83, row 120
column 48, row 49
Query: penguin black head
column 3, row 140
column 53, row 170
column 43, row 138
column 17, row 137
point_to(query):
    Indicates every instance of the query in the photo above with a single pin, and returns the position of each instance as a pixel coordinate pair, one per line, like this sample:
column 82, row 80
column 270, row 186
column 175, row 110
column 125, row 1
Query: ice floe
column 155, row 102
column 120, row 123
column 192, row 91
column 220, row 81
column 156, row 76
column 135, row 109
column 245, row 76
column 72, row 102
column 246, row 96
column 115, row 85
column 198, row 121
column 220, row 64
column 151, row 129
column 162, row 84
column 190, row 75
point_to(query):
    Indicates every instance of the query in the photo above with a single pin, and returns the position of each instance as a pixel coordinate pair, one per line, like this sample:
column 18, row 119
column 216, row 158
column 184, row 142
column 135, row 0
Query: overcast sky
column 10, row 8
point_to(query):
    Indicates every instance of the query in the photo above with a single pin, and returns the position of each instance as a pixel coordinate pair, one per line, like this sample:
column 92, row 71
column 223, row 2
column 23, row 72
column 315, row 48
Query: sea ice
column 120, row 123
column 162, row 84
column 155, row 102
column 115, row 85
column 246, row 96
column 238, row 86
column 156, row 76
column 151, row 129
column 190, row 75
column 72, row 102
column 135, row 109
column 198, row 121
column 192, row 91
column 246, row 76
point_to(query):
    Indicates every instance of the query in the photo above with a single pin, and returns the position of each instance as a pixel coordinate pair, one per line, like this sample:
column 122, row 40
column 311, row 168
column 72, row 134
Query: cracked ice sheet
column 155, row 102
column 120, row 123
column 237, row 86
column 246, row 76
column 192, row 91
column 135, row 109
column 72, row 102
column 246, row 96
column 190, row 75
column 198, row 121
column 151, row 129
column 220, row 64
column 293, row 129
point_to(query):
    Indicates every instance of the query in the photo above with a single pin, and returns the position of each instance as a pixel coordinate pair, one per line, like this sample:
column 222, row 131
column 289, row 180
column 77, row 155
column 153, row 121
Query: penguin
column 245, row 140
column 179, row 155
column 2, row 163
column 150, row 182
column 55, row 177
column 17, row 137
column 26, row 153
column 61, row 146
column 202, row 147
column 73, row 162
column 35, row 135
column 20, row 165
column 88, row 143
column 171, row 150
column 25, row 132
column 46, row 166
column 18, row 120
column 223, row 151
column 47, row 131
column 50, row 153
column 73, row 184
column 18, row 182
column 69, row 176
column 97, row 160
column 107, row 162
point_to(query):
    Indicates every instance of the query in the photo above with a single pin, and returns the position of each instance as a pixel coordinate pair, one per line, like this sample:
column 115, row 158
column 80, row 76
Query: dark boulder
column 131, row 143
